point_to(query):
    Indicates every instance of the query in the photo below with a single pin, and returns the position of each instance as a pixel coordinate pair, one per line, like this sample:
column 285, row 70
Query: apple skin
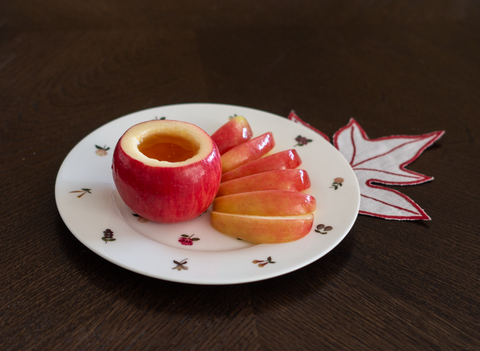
column 233, row 133
column 261, row 229
column 247, row 152
column 287, row 159
column 266, row 203
column 167, row 194
column 286, row 179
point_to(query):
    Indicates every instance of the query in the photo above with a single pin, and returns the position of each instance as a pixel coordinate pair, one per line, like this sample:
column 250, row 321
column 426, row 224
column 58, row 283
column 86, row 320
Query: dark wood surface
column 68, row 67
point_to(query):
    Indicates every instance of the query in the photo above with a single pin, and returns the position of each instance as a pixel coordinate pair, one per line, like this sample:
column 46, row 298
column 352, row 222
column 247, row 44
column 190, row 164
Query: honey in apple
column 170, row 148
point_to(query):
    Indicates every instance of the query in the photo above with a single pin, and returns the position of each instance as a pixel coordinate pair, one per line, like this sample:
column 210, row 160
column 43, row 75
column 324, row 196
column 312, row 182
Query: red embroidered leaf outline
column 383, row 161
column 294, row 118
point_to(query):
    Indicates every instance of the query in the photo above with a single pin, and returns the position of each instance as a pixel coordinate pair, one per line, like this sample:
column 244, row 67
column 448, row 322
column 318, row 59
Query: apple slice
column 233, row 133
column 287, row 159
column 262, row 229
column 166, row 171
column 247, row 152
column 287, row 179
column 266, row 203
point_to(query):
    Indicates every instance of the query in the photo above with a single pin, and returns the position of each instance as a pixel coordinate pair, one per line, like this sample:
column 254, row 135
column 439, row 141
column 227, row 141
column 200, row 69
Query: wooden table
column 407, row 68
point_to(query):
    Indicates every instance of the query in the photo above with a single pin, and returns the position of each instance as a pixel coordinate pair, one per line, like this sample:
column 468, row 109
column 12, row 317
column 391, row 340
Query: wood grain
column 67, row 68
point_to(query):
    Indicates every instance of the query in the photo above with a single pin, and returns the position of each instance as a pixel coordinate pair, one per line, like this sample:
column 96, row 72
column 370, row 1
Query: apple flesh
column 287, row 159
column 247, row 152
column 287, row 179
column 263, row 229
column 266, row 203
column 160, row 190
column 233, row 133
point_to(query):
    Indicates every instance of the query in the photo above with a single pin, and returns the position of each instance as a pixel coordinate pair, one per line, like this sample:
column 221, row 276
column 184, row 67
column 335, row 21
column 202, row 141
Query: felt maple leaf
column 383, row 161
column 294, row 118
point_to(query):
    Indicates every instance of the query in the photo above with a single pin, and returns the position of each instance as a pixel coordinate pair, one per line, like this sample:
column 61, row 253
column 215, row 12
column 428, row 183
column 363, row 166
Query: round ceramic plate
column 193, row 252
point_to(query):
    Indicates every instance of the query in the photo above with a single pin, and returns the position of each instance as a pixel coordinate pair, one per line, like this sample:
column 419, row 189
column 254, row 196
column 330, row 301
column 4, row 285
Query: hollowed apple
column 167, row 171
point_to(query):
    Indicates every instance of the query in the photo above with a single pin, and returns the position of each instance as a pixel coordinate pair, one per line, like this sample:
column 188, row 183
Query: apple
column 263, row 229
column 167, row 171
column 233, row 133
column 247, row 152
column 266, row 203
column 286, row 179
column 287, row 159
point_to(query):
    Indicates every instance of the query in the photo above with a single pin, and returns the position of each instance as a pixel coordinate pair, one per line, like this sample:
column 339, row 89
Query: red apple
column 287, row 179
column 247, row 152
column 287, row 159
column 263, row 229
column 266, row 203
column 233, row 133
column 166, row 171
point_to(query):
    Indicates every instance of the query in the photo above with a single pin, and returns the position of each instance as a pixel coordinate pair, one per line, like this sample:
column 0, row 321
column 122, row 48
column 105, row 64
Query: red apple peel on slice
column 287, row 179
column 263, row 229
column 247, row 152
column 288, row 159
column 266, row 203
column 233, row 133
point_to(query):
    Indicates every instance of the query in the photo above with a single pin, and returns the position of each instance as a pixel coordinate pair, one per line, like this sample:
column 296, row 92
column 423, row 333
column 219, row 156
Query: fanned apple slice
column 262, row 229
column 266, row 203
column 287, row 179
column 233, row 133
column 287, row 159
column 247, row 152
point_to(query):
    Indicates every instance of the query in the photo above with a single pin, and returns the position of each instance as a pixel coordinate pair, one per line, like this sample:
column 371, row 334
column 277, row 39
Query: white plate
column 151, row 248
